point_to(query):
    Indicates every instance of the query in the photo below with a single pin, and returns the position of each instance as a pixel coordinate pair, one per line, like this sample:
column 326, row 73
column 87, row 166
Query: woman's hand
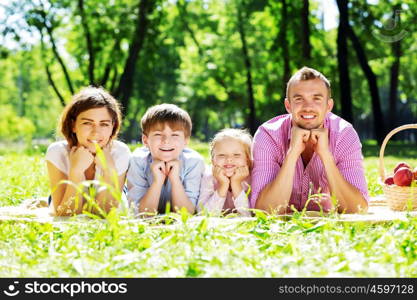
column 80, row 159
column 109, row 162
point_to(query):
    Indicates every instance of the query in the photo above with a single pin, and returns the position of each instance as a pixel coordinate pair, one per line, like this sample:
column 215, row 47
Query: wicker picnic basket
column 397, row 197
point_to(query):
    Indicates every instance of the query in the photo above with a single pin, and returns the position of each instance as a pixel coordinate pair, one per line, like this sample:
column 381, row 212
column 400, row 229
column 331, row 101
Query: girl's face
column 93, row 125
column 229, row 154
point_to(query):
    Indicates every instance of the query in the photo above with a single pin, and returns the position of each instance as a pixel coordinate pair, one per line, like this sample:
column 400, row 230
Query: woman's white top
column 58, row 155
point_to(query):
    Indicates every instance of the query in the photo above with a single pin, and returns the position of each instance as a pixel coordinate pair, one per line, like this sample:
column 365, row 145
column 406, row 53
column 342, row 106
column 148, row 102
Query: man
column 309, row 158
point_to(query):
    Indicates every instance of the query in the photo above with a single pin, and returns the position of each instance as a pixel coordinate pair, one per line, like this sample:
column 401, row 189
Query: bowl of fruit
column 400, row 187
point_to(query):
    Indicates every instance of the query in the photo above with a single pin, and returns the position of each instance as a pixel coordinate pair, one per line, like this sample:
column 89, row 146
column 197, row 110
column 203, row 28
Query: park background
column 227, row 63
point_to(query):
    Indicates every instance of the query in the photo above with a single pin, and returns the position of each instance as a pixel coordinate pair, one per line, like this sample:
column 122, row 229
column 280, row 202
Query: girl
column 92, row 119
column 226, row 188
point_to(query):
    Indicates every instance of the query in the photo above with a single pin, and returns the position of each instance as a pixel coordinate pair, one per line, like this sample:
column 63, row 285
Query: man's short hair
column 306, row 73
column 159, row 115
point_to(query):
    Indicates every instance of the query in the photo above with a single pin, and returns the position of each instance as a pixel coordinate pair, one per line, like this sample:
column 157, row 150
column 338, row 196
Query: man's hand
column 320, row 140
column 324, row 201
column 158, row 170
column 299, row 138
column 80, row 159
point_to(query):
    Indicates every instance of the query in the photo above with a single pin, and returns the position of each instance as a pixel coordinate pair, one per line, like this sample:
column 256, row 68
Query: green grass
column 183, row 246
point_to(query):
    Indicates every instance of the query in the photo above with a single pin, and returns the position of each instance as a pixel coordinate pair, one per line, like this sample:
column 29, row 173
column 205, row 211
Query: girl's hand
column 80, row 159
column 218, row 173
column 241, row 173
column 222, row 179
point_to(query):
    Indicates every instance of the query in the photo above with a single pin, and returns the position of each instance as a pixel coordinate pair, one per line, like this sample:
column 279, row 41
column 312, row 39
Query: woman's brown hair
column 88, row 98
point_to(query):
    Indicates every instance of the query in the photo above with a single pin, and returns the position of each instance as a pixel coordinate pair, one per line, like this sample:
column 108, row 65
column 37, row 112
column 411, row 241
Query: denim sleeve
column 192, row 179
column 137, row 182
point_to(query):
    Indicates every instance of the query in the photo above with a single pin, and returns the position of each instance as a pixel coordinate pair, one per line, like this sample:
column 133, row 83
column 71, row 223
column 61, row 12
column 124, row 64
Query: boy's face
column 164, row 143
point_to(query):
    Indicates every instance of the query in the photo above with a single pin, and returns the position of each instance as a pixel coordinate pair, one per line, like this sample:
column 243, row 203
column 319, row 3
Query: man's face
column 308, row 102
column 164, row 143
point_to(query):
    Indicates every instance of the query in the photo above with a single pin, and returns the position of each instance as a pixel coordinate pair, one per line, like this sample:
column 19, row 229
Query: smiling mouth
column 308, row 117
column 94, row 141
column 166, row 149
column 228, row 166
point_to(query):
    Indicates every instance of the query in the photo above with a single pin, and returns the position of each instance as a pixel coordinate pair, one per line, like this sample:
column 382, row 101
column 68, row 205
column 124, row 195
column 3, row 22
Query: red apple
column 403, row 177
column 401, row 165
column 415, row 173
column 389, row 180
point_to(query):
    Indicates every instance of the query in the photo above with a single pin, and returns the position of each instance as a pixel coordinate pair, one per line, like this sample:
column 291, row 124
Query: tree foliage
column 226, row 62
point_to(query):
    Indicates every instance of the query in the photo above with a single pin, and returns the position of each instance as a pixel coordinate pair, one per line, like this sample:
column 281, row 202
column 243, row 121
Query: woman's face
column 93, row 126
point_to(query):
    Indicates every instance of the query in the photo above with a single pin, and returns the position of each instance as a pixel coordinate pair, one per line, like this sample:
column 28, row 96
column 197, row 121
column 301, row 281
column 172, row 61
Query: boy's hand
column 173, row 169
column 80, row 158
column 158, row 171
column 241, row 173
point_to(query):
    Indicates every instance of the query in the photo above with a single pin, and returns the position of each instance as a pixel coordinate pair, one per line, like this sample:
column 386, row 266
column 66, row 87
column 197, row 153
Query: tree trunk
column 183, row 13
column 394, row 72
column 49, row 75
column 110, row 64
column 305, row 36
column 342, row 59
column 248, row 66
column 379, row 126
column 125, row 87
column 284, row 44
column 89, row 41
column 57, row 56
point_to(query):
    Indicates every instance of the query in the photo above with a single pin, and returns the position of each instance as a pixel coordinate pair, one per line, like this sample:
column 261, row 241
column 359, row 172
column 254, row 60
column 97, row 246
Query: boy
column 164, row 171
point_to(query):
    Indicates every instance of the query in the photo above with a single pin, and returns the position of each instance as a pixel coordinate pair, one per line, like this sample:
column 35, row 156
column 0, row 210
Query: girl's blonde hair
column 241, row 135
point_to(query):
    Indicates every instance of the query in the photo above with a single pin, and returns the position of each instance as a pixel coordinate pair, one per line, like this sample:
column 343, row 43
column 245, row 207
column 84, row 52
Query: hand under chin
column 229, row 173
column 165, row 160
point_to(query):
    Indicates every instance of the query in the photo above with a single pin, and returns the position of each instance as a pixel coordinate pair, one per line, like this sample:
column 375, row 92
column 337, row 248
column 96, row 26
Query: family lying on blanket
column 307, row 159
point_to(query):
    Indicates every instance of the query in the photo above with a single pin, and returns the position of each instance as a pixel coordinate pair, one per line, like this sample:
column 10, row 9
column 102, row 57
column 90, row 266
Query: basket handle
column 384, row 144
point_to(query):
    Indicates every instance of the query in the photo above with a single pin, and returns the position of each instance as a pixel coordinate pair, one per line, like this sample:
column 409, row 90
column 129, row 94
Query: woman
column 89, row 123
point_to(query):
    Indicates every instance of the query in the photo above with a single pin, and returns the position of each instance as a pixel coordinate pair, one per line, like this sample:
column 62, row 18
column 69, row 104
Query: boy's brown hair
column 88, row 98
column 306, row 73
column 158, row 115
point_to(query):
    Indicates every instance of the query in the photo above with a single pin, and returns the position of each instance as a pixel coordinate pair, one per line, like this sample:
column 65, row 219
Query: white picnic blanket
column 37, row 210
